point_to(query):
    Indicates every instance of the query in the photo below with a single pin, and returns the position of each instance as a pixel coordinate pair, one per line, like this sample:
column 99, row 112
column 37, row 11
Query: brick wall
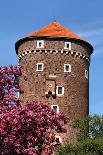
column 75, row 100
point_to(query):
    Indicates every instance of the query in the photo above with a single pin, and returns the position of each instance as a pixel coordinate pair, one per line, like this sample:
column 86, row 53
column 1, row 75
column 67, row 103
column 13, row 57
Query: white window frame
column 42, row 44
column 86, row 74
column 18, row 94
column 69, row 68
column 66, row 43
column 57, row 91
column 60, row 139
column 57, row 107
column 42, row 67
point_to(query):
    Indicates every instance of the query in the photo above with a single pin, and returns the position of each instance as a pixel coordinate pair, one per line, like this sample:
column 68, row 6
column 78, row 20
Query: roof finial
column 55, row 20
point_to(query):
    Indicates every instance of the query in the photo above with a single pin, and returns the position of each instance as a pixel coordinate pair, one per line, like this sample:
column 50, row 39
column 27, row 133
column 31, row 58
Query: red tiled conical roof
column 54, row 29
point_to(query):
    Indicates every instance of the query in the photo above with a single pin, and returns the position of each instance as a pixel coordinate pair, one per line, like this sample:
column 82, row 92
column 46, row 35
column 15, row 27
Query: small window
column 67, row 45
column 58, row 140
column 55, row 108
column 60, row 90
column 40, row 44
column 86, row 74
column 67, row 68
column 18, row 94
column 39, row 67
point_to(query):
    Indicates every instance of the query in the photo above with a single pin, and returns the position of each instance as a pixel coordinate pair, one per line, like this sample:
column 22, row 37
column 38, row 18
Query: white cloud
column 93, row 33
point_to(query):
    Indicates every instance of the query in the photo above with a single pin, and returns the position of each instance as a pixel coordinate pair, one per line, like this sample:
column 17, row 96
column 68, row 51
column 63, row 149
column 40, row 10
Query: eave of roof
column 53, row 30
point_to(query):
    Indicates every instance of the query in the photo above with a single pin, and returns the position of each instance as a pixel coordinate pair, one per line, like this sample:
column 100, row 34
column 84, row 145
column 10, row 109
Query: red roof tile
column 54, row 29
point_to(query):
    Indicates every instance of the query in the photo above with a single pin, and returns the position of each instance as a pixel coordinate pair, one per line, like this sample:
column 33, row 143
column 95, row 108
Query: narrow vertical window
column 67, row 68
column 67, row 45
column 40, row 44
column 60, row 90
column 86, row 74
column 39, row 67
column 18, row 94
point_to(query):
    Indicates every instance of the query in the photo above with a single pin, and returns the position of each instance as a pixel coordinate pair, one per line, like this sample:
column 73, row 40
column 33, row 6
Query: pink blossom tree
column 9, row 84
column 28, row 130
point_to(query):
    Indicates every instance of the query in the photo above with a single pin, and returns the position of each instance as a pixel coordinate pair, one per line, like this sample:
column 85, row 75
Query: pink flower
column 28, row 129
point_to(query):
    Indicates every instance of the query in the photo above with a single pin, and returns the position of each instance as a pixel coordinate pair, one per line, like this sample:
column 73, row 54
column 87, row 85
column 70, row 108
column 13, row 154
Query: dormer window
column 40, row 44
column 39, row 67
column 67, row 68
column 67, row 45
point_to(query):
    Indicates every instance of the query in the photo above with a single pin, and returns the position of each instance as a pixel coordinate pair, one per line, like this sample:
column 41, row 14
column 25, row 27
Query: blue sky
column 84, row 17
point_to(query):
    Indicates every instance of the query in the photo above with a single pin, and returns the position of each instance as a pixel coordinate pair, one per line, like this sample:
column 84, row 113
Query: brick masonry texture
column 75, row 101
column 53, row 44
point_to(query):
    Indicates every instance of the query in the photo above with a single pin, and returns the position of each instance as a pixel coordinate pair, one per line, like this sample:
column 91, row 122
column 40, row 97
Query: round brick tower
column 55, row 70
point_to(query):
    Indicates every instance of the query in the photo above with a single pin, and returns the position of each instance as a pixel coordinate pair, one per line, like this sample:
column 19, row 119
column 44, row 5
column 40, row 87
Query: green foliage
column 90, row 128
column 89, row 139
column 65, row 150
column 89, row 147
